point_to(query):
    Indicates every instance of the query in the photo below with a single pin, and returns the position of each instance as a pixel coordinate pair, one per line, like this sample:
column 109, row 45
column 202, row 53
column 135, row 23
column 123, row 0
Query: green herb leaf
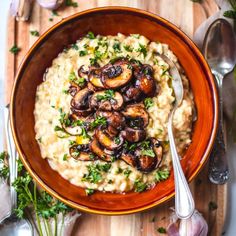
column 71, row 3
column 54, row 13
column 139, row 186
column 14, row 49
column 129, row 147
column 79, row 81
column 142, row 49
column 162, row 175
column 148, row 152
column 117, row 140
column 65, row 156
column 83, row 53
column 75, row 46
column 89, row 191
column 108, row 95
column 90, row 35
column 50, row 19
column 212, row 206
column 34, row 33
column 99, row 120
column 148, row 102
column 230, row 14
column 161, row 230
column 127, row 172
column 116, row 47
column 4, row 170
column 128, row 48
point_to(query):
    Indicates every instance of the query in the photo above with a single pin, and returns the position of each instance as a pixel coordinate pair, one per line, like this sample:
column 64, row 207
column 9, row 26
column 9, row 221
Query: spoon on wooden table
column 219, row 49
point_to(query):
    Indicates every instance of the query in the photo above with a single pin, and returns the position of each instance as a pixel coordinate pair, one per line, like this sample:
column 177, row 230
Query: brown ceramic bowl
column 105, row 21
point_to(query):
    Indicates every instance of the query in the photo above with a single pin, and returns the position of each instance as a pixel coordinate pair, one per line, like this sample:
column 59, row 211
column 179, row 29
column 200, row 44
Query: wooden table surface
column 187, row 16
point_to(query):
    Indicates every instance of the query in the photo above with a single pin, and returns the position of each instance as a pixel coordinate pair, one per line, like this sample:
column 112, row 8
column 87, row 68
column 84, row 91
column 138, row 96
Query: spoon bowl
column 219, row 49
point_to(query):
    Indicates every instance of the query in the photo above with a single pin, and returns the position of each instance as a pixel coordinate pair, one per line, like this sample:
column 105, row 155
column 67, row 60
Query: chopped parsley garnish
column 91, row 156
column 65, row 91
column 99, row 120
column 117, row 140
column 71, row 3
column 162, row 175
column 148, row 152
column 110, row 181
column 119, row 170
column 127, row 172
column 90, row 35
column 108, row 95
column 94, row 174
column 34, row 33
column 75, row 46
column 54, row 13
column 72, row 142
column 148, row 102
column 58, row 128
column 139, row 186
column 65, row 156
column 128, row 48
column 79, row 81
column 4, row 171
column 161, row 230
column 137, row 36
column 212, row 206
column 145, row 144
column 142, row 49
column 83, row 53
column 116, row 47
column 129, row 147
column 89, row 191
column 93, row 61
column 14, row 49
column 50, row 19
column 40, row 140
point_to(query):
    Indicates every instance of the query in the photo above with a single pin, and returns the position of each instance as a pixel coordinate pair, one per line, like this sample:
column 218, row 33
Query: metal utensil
column 184, row 203
column 219, row 49
column 11, row 225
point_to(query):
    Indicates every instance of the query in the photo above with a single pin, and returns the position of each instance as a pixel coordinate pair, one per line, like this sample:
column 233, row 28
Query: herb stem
column 55, row 229
column 62, row 224
column 45, row 226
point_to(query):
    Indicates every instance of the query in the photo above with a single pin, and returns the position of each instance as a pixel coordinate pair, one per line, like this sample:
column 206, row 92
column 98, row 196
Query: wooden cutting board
column 187, row 16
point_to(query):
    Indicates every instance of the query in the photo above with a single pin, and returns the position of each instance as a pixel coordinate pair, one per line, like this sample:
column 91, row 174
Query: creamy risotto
column 101, row 113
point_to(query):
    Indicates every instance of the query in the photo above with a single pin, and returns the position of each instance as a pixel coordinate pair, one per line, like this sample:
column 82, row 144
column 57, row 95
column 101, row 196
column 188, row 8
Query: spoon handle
column 218, row 166
column 184, row 203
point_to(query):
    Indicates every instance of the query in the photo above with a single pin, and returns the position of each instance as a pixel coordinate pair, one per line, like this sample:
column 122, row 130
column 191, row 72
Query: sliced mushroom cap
column 96, row 148
column 107, row 141
column 82, row 153
column 114, row 119
column 157, row 148
column 116, row 75
column 81, row 100
column 73, row 89
column 99, row 101
column 129, row 158
column 133, row 135
column 82, row 72
column 136, row 112
column 132, row 94
column 83, row 113
column 149, row 161
column 147, row 85
column 95, row 76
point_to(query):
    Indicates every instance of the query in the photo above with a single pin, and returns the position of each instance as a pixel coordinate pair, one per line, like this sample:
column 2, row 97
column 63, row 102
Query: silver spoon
column 184, row 203
column 219, row 49
column 11, row 225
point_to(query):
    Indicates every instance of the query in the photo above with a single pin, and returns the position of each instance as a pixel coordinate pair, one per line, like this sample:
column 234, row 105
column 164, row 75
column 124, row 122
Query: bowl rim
column 200, row 58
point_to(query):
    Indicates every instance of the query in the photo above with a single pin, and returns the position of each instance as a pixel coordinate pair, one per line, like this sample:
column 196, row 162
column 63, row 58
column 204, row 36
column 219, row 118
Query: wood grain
column 187, row 16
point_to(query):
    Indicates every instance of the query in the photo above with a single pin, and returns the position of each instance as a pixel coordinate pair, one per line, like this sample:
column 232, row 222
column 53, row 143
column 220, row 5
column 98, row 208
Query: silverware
column 219, row 49
column 184, row 203
column 11, row 225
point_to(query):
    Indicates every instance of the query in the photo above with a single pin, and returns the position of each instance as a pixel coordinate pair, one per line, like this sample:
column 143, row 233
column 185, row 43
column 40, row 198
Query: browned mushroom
column 107, row 141
column 107, row 100
column 95, row 76
column 133, row 135
column 82, row 72
column 129, row 158
column 114, row 119
column 73, row 89
column 81, row 100
column 135, row 114
column 97, row 149
column 149, row 158
column 116, row 75
column 81, row 153
column 145, row 81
